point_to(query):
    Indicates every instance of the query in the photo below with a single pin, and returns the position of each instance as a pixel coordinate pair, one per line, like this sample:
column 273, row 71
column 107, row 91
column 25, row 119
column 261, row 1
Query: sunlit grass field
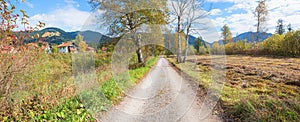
column 256, row 88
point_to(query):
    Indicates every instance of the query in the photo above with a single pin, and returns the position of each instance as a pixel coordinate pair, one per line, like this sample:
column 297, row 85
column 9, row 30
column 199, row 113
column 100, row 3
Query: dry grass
column 256, row 88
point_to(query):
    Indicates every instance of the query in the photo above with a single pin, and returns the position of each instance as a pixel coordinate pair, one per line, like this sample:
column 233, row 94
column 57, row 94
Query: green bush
column 283, row 45
column 111, row 90
column 54, row 49
column 291, row 44
column 203, row 50
column 274, row 44
column 192, row 50
column 279, row 45
column 237, row 48
column 217, row 49
column 69, row 110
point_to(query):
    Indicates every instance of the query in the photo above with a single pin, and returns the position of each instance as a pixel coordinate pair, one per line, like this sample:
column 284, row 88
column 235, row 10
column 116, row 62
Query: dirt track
column 162, row 96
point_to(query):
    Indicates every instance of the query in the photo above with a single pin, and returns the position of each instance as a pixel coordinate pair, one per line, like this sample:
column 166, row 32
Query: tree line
column 279, row 44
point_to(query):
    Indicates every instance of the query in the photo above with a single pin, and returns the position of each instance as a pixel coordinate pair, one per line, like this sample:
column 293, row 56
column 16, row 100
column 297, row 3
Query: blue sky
column 72, row 15
column 33, row 7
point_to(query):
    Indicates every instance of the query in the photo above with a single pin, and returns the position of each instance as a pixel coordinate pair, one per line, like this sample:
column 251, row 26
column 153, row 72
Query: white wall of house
column 63, row 50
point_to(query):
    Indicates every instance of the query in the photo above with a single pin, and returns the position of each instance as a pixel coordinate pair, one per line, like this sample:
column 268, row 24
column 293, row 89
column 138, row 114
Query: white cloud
column 243, row 21
column 216, row 1
column 71, row 3
column 94, row 23
column 214, row 12
column 68, row 18
column 29, row 4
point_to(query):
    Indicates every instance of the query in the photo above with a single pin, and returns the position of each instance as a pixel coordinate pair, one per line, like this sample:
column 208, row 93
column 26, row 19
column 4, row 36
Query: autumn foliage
column 16, row 58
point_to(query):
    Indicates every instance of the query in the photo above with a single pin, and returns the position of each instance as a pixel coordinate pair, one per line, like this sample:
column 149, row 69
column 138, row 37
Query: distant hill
column 91, row 36
column 251, row 36
column 192, row 41
column 57, row 36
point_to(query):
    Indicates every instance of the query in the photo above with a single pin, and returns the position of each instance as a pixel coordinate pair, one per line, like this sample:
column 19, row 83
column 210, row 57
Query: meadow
column 256, row 88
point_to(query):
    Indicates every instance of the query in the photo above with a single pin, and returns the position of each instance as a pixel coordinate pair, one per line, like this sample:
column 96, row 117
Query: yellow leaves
column 22, row 11
column 31, row 113
column 41, row 24
column 273, row 44
column 13, row 7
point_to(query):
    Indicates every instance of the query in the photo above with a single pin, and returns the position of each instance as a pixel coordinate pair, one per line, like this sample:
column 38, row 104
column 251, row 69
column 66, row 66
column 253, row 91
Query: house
column 104, row 49
column 67, row 47
column 45, row 46
column 90, row 49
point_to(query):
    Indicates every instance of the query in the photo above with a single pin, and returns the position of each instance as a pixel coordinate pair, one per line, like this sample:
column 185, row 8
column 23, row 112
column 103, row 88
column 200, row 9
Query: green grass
column 113, row 90
column 110, row 92
column 52, row 95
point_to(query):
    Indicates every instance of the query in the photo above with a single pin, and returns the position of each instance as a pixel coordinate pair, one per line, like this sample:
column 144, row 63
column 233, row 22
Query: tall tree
column 179, row 7
column 185, row 12
column 261, row 13
column 128, row 16
column 280, row 27
column 194, row 13
column 226, row 34
column 81, row 43
column 198, row 43
column 289, row 27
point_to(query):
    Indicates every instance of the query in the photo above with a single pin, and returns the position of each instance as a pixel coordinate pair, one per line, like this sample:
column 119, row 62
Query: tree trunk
column 257, row 29
column 139, row 51
column 187, row 43
column 179, row 42
column 186, row 50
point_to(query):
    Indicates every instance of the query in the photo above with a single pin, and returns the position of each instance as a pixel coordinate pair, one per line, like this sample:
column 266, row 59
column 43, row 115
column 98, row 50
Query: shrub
column 291, row 44
column 111, row 90
column 274, row 44
column 217, row 49
column 203, row 50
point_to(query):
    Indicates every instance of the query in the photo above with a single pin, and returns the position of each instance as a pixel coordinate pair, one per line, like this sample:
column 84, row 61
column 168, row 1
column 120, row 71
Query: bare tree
column 179, row 8
column 193, row 16
column 261, row 13
column 188, row 13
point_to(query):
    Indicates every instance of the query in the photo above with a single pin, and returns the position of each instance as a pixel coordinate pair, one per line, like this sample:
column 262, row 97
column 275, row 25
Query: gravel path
column 162, row 96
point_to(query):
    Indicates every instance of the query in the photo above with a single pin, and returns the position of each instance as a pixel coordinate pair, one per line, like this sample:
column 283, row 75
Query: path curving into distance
column 162, row 96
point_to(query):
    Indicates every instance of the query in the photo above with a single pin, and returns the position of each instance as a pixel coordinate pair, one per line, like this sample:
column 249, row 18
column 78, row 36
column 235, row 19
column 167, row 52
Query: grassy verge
column 83, row 105
column 49, row 92
column 248, row 95
column 114, row 92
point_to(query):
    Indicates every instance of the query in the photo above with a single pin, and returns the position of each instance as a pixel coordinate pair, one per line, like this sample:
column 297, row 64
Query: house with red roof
column 67, row 47
column 90, row 49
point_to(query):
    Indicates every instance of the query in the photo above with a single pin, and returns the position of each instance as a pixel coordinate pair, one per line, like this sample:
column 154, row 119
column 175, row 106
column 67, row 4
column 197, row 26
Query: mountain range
column 57, row 36
column 248, row 36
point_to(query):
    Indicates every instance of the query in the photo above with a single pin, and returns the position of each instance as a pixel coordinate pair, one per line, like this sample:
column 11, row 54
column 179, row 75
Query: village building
column 104, row 49
column 90, row 49
column 67, row 47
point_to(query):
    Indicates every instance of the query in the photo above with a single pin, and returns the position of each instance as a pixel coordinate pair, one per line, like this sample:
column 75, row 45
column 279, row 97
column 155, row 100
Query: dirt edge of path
column 201, row 91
